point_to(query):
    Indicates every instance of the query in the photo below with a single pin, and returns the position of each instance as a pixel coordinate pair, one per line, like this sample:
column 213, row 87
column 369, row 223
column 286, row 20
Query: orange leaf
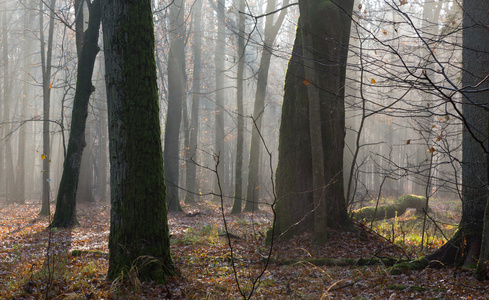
column 306, row 82
column 408, row 142
column 384, row 32
column 373, row 81
column 432, row 150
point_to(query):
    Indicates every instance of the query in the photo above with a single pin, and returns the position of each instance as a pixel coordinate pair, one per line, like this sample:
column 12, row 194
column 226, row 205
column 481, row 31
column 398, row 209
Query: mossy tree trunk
column 464, row 247
column 295, row 207
column 176, row 98
column 138, row 225
column 65, row 214
column 390, row 211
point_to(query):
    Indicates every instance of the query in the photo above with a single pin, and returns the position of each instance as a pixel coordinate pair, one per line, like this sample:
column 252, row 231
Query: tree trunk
column 464, row 247
column 138, row 226
column 46, row 94
column 315, row 130
column 84, row 190
column 238, row 185
column 271, row 31
column 295, row 206
column 19, row 196
column 9, row 167
column 191, row 152
column 176, row 96
column 220, row 72
column 65, row 214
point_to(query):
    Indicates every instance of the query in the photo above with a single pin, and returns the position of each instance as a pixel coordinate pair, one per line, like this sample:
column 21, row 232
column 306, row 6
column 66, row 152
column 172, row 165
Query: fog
column 401, row 134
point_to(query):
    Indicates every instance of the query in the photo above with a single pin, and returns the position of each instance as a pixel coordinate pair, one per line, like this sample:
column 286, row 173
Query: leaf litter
column 36, row 262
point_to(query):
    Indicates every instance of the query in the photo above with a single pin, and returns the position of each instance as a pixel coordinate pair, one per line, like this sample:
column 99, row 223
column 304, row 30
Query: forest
column 244, row 149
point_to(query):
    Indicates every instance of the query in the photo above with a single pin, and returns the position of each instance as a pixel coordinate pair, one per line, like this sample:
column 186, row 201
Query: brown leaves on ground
column 202, row 255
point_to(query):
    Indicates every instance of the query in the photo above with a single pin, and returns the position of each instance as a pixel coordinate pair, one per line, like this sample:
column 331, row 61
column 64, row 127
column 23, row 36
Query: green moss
column 398, row 287
column 76, row 253
column 391, row 210
column 418, row 264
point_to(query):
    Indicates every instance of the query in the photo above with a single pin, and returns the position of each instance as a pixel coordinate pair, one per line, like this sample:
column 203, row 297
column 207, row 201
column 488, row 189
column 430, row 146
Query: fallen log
column 390, row 211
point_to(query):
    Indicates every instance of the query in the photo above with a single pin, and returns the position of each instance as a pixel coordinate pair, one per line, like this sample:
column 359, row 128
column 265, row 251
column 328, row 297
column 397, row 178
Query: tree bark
column 295, row 206
column 46, row 94
column 7, row 82
column 271, row 31
column 219, row 120
column 191, row 152
column 20, row 195
column 176, row 98
column 65, row 214
column 238, row 179
column 139, row 225
column 464, row 247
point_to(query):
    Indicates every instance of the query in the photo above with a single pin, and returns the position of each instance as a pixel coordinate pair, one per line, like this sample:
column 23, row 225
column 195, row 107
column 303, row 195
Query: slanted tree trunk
column 464, row 247
column 176, row 98
column 191, row 152
column 65, row 214
column 295, row 205
column 271, row 31
column 46, row 94
column 139, row 233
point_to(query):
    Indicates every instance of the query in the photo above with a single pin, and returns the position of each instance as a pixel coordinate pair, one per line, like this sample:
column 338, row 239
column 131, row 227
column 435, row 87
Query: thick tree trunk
column 191, row 152
column 295, row 206
column 176, row 98
column 138, row 227
column 315, row 130
column 464, row 247
column 65, row 214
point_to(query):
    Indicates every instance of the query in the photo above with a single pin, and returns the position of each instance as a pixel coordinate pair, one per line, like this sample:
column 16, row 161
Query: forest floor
column 37, row 263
